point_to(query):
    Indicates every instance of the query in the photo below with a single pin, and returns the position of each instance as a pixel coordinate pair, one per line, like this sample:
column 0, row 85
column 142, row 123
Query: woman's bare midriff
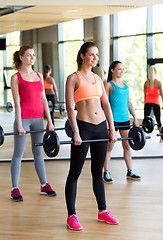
column 90, row 110
column 49, row 91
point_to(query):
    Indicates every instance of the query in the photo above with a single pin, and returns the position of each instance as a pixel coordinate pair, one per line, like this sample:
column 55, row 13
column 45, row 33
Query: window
column 73, row 40
column 6, row 60
column 71, row 50
column 132, row 53
column 158, row 18
column 158, row 48
column 132, row 22
column 73, row 30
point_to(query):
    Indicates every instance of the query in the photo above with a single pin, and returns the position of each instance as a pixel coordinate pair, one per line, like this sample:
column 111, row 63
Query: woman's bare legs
column 127, row 157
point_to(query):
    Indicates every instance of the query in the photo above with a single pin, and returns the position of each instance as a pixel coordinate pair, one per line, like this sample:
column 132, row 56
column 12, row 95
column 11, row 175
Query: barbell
column 147, row 125
column 8, row 107
column 161, row 134
column 51, row 142
column 60, row 106
column 2, row 134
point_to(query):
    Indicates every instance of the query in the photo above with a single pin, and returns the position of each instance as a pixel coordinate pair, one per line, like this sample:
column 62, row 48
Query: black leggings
column 156, row 109
column 78, row 156
column 51, row 97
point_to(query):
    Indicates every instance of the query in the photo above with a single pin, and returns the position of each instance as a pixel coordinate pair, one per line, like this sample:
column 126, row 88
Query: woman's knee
column 18, row 153
column 37, row 152
column 110, row 146
column 126, row 145
column 73, row 176
column 96, row 174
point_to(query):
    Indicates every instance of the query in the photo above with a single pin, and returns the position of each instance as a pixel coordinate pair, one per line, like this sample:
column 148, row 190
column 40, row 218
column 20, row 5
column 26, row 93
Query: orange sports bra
column 87, row 90
column 47, row 85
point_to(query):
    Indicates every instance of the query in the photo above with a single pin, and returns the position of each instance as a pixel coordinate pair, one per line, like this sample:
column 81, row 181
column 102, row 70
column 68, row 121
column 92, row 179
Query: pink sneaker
column 47, row 190
column 15, row 195
column 161, row 140
column 107, row 217
column 73, row 223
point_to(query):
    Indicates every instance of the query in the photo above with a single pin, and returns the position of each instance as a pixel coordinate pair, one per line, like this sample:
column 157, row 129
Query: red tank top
column 30, row 98
column 152, row 95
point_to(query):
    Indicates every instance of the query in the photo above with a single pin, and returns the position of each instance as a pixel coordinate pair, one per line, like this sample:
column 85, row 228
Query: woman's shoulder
column 108, row 86
column 14, row 78
column 72, row 76
column 157, row 83
column 147, row 82
column 38, row 73
column 49, row 79
column 106, row 83
column 125, row 84
column 15, row 75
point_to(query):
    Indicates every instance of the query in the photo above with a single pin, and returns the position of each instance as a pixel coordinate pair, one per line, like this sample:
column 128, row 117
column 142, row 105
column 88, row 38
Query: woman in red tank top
column 152, row 93
column 30, row 104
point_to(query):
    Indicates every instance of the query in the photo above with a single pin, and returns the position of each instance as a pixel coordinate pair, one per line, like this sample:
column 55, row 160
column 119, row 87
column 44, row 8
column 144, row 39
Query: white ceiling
column 51, row 12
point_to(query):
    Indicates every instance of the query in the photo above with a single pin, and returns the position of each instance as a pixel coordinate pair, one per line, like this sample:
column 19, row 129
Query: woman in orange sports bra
column 152, row 91
column 50, row 89
column 87, row 91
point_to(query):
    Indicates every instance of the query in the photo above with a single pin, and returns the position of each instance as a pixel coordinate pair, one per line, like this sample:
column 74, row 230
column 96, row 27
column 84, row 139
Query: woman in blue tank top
column 120, row 103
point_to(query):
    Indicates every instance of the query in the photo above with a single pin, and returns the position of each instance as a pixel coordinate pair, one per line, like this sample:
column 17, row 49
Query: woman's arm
column 46, row 108
column 108, row 88
column 108, row 111
column 16, row 98
column 160, row 88
column 69, row 97
column 145, row 87
column 55, row 90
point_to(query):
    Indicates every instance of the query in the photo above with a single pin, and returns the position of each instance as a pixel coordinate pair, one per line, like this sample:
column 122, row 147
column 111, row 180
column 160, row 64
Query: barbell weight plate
column 51, row 143
column 62, row 110
column 1, row 136
column 148, row 124
column 68, row 129
column 162, row 133
column 9, row 107
column 138, row 138
column 50, row 104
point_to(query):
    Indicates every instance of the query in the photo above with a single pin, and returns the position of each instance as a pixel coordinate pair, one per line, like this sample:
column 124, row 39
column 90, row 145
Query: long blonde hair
column 152, row 75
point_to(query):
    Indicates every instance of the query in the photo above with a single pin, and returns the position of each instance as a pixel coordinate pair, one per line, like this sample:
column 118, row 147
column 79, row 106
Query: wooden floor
column 137, row 205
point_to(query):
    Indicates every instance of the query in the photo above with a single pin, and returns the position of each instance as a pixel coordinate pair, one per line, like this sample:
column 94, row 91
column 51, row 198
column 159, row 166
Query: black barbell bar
column 2, row 134
column 51, row 142
column 161, row 134
column 147, row 125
